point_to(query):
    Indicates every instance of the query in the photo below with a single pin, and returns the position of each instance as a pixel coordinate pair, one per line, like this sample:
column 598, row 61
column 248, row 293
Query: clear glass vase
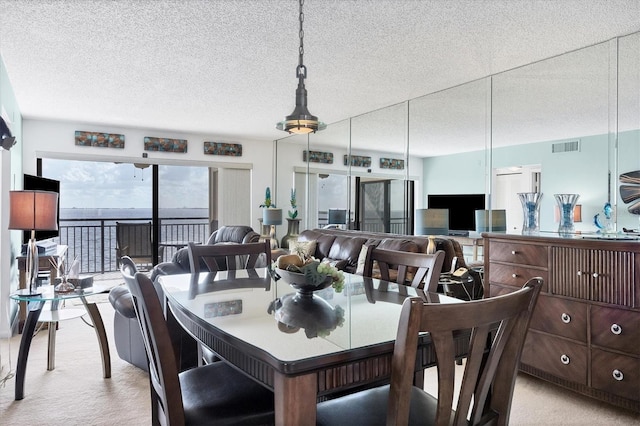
column 566, row 204
column 530, row 211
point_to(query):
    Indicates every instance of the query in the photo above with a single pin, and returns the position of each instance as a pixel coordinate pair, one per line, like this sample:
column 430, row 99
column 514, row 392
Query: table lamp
column 432, row 221
column 491, row 220
column 33, row 211
column 272, row 217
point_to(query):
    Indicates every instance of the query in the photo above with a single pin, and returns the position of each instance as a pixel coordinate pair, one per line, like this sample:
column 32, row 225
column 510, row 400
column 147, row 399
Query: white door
column 507, row 182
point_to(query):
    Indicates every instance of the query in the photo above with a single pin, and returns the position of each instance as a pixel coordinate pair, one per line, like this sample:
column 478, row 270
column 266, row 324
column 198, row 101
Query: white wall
column 55, row 139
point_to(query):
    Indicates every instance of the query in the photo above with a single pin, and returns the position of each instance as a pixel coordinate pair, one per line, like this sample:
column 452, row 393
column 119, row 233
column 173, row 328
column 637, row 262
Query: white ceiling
column 227, row 68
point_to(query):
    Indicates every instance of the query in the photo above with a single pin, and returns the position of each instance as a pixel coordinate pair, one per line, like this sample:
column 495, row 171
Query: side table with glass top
column 35, row 314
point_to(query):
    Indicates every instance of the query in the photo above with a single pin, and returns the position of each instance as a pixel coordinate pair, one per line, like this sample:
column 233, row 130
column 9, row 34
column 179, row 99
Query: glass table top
column 47, row 293
column 273, row 317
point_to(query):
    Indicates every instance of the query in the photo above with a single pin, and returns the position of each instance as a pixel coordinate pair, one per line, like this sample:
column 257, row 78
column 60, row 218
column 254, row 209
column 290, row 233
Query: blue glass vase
column 566, row 204
column 531, row 212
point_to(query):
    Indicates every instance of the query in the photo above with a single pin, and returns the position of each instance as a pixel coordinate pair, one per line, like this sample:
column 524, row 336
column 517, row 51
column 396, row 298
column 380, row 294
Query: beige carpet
column 76, row 394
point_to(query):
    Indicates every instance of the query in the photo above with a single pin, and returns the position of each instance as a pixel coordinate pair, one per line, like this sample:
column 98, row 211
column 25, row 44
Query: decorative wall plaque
column 106, row 140
column 318, row 157
column 358, row 160
column 391, row 163
column 220, row 148
column 165, row 144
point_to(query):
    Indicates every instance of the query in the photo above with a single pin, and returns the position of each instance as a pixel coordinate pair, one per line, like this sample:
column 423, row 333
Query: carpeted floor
column 76, row 394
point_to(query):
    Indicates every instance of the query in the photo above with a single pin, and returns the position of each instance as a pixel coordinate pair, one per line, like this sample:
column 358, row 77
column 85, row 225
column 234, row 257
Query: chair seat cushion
column 369, row 407
column 218, row 394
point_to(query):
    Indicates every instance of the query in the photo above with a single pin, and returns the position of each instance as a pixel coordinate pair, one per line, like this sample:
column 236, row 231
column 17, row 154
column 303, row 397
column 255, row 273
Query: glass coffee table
column 36, row 313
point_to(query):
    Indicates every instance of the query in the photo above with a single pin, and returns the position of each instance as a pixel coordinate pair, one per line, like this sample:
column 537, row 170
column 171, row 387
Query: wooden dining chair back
column 215, row 257
column 213, row 394
column 498, row 328
column 418, row 270
column 128, row 265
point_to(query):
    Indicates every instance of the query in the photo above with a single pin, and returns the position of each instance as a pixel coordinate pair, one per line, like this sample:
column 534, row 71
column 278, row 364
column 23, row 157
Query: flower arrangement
column 294, row 205
column 267, row 199
column 315, row 272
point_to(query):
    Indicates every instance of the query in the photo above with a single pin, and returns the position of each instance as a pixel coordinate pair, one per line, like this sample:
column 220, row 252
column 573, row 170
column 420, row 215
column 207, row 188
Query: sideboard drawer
column 560, row 316
column 515, row 275
column 556, row 356
column 615, row 329
column 523, row 254
column 616, row 373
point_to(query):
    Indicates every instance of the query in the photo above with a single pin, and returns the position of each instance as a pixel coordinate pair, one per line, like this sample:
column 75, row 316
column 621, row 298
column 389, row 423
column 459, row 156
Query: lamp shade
column 272, row 216
column 432, row 221
column 33, row 210
column 337, row 216
column 491, row 220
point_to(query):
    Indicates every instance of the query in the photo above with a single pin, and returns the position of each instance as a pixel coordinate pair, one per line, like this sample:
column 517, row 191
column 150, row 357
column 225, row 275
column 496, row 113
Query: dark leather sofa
column 127, row 335
column 342, row 248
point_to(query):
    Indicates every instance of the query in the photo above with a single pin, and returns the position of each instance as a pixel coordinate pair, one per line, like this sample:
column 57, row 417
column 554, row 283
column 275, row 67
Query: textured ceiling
column 227, row 68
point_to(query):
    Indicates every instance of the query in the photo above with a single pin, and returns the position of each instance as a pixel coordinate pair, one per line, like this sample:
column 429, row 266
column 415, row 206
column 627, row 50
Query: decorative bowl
column 301, row 283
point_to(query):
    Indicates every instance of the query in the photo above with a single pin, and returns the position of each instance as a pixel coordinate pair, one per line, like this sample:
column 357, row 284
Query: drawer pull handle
column 616, row 329
column 579, row 273
column 513, row 252
column 514, row 275
column 595, row 275
column 566, row 318
column 565, row 359
column 617, row 374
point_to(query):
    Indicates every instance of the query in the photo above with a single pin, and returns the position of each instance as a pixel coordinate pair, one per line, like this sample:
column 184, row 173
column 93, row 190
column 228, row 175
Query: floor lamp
column 33, row 211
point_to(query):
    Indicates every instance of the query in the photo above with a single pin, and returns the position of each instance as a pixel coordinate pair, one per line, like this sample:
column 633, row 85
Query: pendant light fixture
column 301, row 121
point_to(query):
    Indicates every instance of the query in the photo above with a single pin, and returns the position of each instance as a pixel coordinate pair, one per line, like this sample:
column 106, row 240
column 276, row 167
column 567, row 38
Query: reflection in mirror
column 628, row 154
column 447, row 130
column 550, row 133
column 314, row 195
column 379, row 169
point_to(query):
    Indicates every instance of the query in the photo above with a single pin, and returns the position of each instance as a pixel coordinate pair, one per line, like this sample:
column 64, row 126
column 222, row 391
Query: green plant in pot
column 293, row 213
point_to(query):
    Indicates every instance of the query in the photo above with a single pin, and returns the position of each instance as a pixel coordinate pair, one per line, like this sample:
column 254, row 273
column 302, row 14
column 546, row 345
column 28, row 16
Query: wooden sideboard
column 585, row 330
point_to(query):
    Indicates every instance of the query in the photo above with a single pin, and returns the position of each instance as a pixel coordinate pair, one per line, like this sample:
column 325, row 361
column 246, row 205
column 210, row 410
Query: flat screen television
column 39, row 183
column 462, row 210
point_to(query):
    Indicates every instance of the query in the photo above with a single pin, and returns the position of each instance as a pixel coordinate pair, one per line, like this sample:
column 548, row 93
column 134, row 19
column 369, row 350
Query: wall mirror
column 628, row 153
column 567, row 124
column 550, row 134
column 449, row 130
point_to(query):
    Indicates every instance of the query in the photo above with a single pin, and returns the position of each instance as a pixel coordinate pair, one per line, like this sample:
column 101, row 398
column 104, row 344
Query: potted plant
column 293, row 223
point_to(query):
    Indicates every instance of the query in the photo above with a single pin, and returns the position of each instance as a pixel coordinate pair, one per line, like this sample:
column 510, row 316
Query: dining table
column 305, row 347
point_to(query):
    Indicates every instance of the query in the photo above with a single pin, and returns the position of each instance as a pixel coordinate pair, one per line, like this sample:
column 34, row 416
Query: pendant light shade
column 301, row 121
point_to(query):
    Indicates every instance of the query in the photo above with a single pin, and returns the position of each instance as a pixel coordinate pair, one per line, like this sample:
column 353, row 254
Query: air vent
column 573, row 146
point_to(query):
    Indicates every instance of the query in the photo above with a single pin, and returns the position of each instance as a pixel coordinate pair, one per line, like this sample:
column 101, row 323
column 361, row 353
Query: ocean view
column 119, row 213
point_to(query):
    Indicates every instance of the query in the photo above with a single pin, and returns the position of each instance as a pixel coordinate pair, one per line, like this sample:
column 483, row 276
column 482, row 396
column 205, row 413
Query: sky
column 86, row 184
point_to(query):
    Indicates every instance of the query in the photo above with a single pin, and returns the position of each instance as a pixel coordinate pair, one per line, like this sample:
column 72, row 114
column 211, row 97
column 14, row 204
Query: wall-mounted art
column 106, row 140
column 220, row 148
column 165, row 144
column 318, row 157
column 358, row 161
column 391, row 163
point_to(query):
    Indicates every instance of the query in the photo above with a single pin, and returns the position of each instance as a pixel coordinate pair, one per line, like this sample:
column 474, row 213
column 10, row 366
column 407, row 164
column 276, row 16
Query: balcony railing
column 93, row 241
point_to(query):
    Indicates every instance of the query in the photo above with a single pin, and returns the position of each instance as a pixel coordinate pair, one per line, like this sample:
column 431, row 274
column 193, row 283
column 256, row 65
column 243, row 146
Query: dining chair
column 136, row 241
column 216, row 257
column 212, row 394
column 421, row 270
column 498, row 329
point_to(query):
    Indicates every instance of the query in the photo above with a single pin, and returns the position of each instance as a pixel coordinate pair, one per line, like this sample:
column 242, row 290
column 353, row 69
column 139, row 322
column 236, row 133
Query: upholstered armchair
column 128, row 339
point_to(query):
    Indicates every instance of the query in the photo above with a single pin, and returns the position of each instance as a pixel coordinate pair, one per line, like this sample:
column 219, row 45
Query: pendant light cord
column 301, row 71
